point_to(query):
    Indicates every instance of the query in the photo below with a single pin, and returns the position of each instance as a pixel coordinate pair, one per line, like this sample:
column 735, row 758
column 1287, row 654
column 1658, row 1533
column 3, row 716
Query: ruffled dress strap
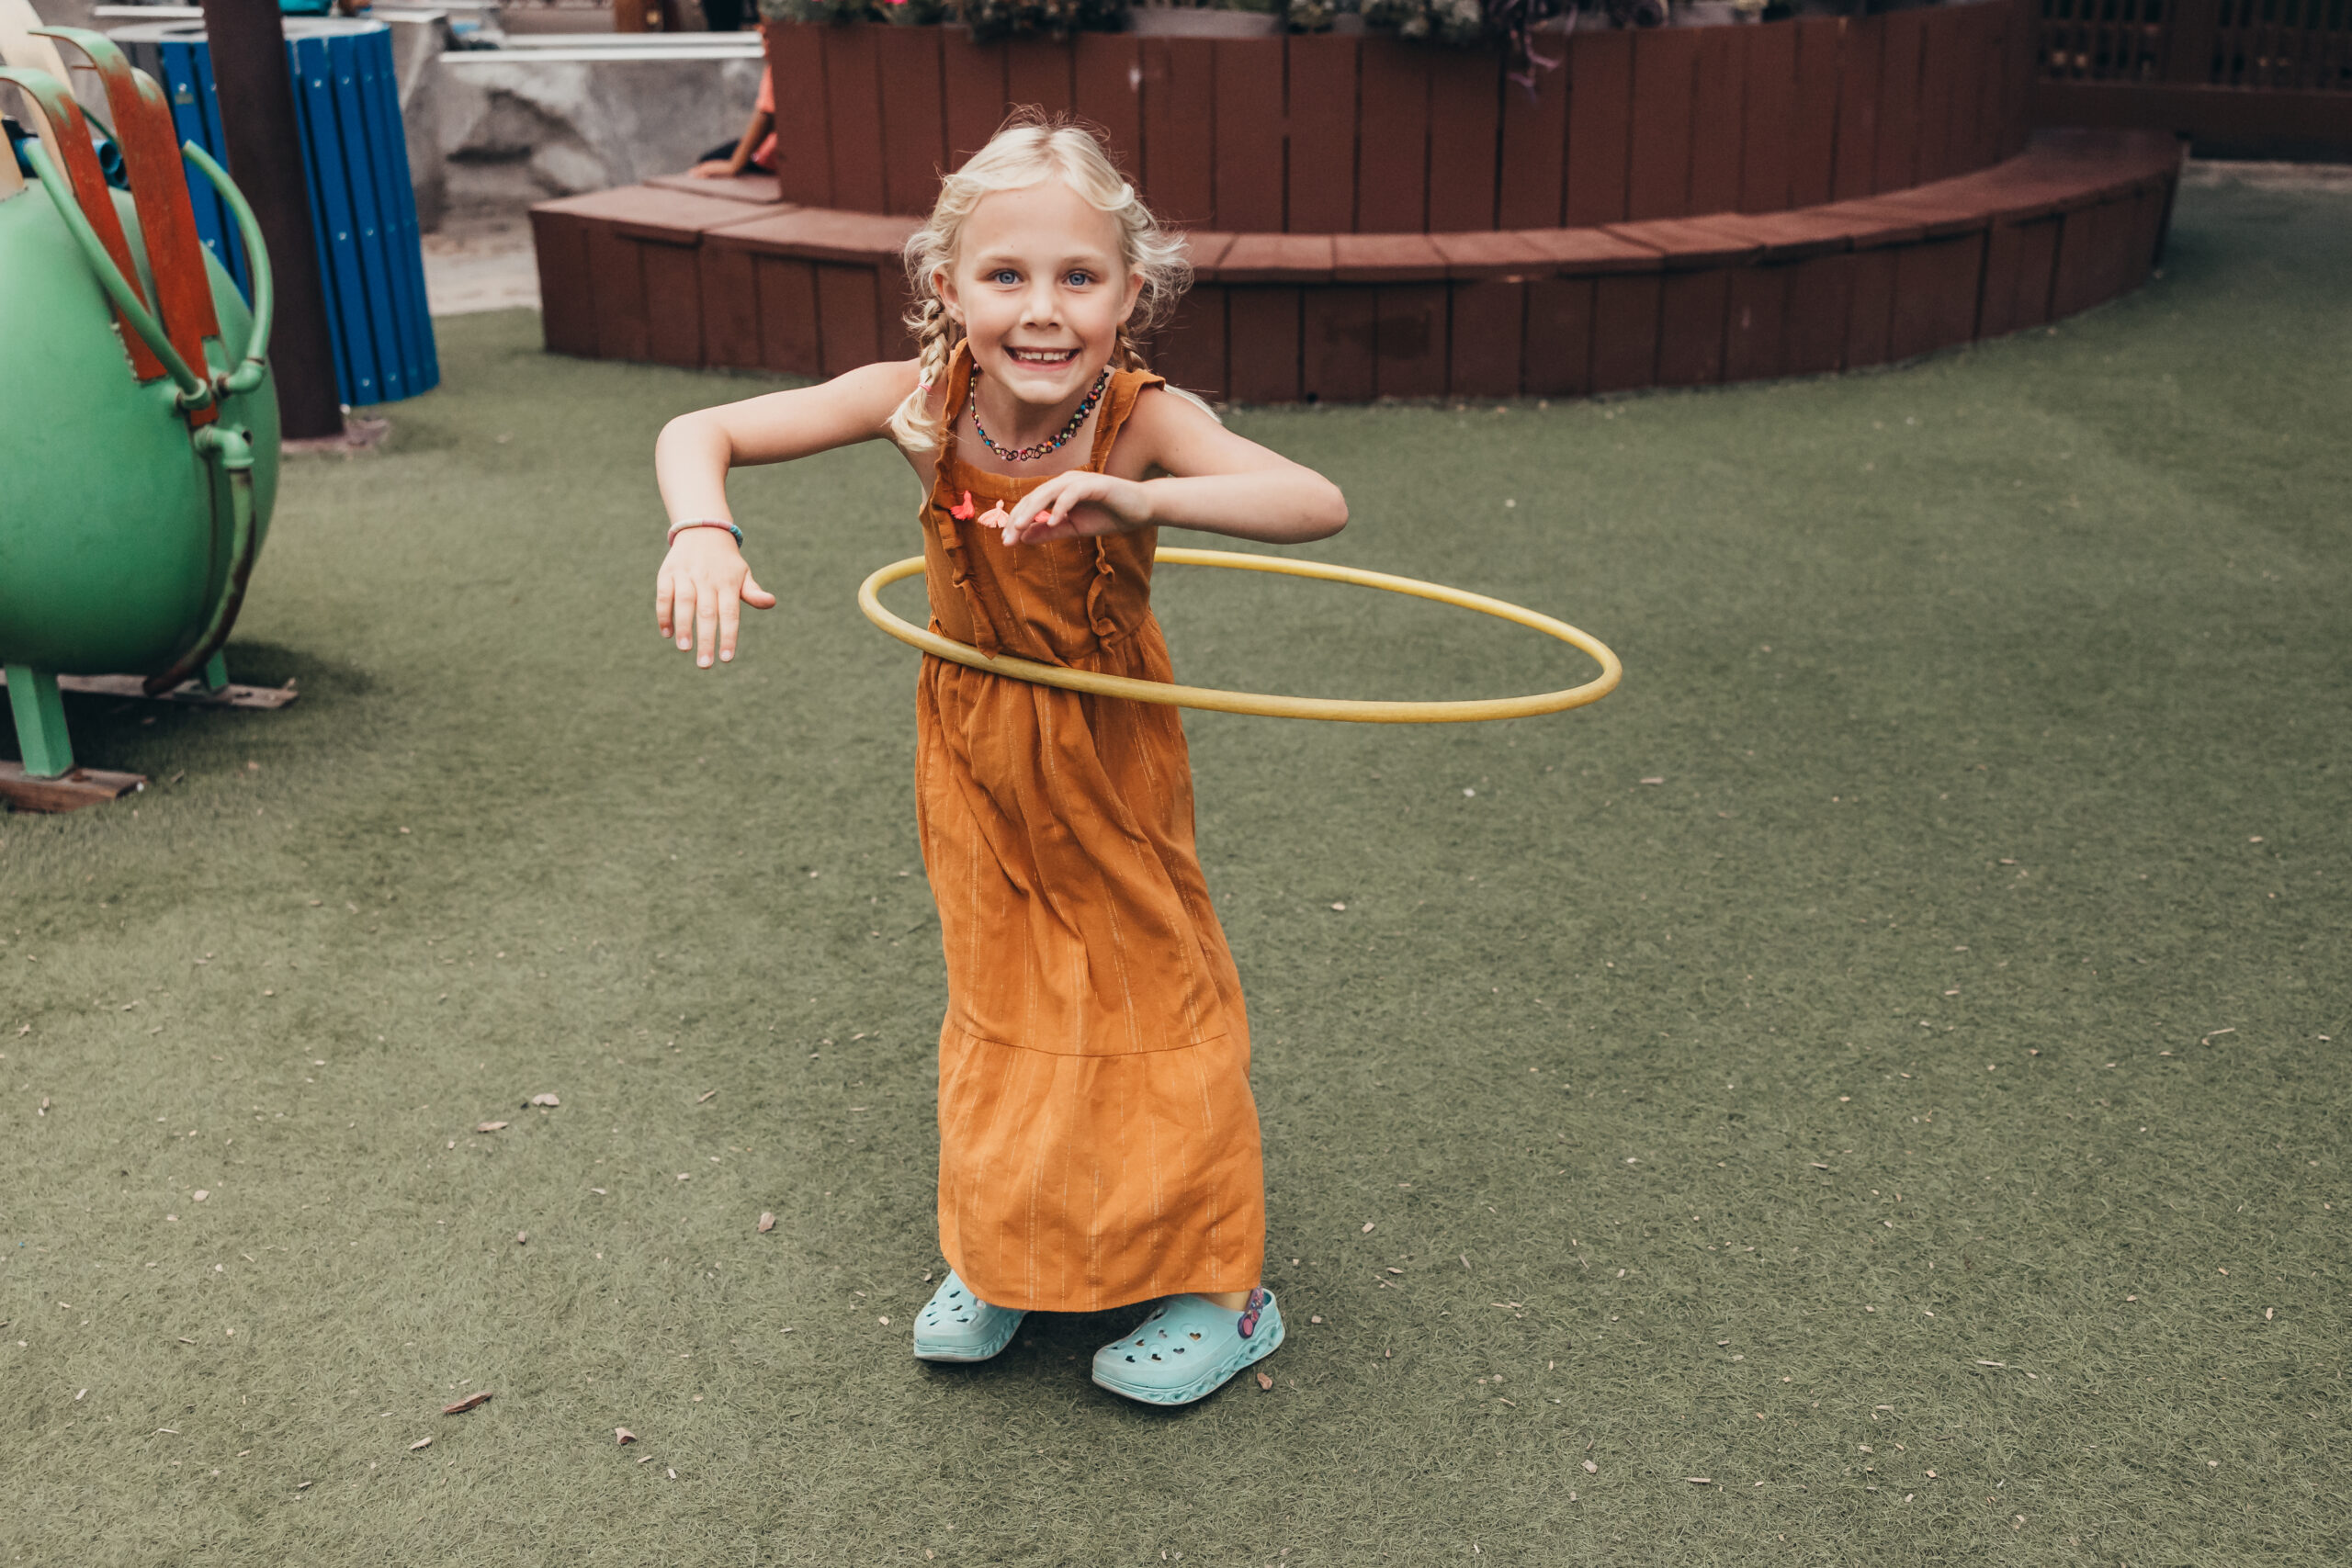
column 1118, row 402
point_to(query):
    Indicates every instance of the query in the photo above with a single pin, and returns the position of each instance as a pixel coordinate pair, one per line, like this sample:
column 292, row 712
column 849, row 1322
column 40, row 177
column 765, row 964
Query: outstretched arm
column 727, row 168
column 704, row 581
column 1214, row 482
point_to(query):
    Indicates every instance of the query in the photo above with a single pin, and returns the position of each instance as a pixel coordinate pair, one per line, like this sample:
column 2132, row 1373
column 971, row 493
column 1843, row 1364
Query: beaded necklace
column 1031, row 453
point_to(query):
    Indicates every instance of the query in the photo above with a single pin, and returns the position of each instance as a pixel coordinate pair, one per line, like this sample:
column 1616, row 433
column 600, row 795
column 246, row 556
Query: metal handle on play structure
column 233, row 452
column 254, row 362
column 196, row 391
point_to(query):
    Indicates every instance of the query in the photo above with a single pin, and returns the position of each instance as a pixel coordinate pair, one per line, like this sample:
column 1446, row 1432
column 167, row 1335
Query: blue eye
column 1079, row 278
column 1005, row 275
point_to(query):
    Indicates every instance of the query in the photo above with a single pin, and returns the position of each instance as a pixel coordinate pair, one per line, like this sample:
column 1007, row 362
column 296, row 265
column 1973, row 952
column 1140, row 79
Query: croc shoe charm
column 1188, row 1348
column 957, row 1325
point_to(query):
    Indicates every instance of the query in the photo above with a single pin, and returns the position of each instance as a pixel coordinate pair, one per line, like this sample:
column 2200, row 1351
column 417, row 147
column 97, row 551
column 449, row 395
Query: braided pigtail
column 913, row 423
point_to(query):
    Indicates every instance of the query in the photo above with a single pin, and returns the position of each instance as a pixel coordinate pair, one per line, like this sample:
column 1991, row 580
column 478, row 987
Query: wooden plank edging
column 670, row 275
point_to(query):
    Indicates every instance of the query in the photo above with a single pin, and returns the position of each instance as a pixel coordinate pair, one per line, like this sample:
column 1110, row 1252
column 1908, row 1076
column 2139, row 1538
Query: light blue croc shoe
column 1188, row 1348
column 958, row 1327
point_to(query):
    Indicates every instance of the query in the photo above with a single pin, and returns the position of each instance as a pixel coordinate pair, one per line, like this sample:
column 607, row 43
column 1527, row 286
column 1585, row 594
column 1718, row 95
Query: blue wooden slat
column 191, row 99
column 202, row 126
column 386, row 292
column 346, row 292
column 188, row 125
column 388, row 147
column 208, row 97
column 319, row 232
column 375, row 269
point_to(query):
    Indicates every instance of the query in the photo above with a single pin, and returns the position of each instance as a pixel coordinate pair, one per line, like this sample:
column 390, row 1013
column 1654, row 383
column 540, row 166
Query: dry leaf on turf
column 623, row 1435
column 470, row 1402
column 547, row 1100
column 705, row 1096
column 522, row 1236
column 767, row 1223
column 1591, row 1468
column 491, row 1127
column 420, row 1443
column 1265, row 1382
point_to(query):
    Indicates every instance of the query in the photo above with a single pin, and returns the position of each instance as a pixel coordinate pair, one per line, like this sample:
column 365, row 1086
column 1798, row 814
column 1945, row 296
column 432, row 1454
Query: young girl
column 1098, row 1143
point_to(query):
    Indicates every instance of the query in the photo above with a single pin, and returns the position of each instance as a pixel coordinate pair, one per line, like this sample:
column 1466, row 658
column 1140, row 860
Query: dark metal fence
column 2284, row 45
column 2264, row 77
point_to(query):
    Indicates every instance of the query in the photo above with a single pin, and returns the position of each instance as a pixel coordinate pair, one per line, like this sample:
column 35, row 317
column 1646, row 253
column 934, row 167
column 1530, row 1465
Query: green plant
column 905, row 13
column 1470, row 24
column 816, row 10
column 1462, row 23
column 993, row 20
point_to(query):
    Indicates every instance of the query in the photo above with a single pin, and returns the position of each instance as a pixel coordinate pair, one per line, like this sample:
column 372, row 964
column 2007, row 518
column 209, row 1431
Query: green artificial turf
column 1876, row 1061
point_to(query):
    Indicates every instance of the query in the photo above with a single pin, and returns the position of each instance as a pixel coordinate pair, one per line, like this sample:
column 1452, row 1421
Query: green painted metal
column 40, row 721
column 126, row 535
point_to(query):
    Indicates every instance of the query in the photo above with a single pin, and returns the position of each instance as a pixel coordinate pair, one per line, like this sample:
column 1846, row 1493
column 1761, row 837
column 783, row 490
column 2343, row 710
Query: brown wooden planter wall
column 1329, row 134
column 684, row 278
column 1679, row 302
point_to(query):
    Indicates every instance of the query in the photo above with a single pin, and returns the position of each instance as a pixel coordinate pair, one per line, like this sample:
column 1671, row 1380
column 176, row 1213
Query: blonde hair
column 1028, row 150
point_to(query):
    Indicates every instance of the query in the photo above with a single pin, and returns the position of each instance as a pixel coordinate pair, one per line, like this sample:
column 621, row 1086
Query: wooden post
column 256, row 96
column 41, row 722
column 2188, row 41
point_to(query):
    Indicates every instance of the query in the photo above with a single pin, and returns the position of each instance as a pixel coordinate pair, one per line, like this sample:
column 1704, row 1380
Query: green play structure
column 139, row 434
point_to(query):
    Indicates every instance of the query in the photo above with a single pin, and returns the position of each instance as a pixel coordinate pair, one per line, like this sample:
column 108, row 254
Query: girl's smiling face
column 1041, row 289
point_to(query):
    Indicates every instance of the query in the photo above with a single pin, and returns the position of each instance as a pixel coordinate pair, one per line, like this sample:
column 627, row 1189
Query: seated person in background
column 756, row 150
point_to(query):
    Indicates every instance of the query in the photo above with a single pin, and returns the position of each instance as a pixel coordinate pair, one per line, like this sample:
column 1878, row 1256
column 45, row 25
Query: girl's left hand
column 1078, row 505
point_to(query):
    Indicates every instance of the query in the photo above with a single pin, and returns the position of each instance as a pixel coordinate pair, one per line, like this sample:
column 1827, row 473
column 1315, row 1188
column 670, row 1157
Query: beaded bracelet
column 679, row 528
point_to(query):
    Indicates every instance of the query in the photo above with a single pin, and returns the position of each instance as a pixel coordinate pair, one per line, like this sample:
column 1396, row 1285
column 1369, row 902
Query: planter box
column 1339, row 134
column 686, row 279
column 1368, row 219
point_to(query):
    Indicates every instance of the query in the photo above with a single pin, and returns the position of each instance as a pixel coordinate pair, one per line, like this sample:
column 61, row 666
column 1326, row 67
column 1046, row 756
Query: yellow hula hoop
column 869, row 599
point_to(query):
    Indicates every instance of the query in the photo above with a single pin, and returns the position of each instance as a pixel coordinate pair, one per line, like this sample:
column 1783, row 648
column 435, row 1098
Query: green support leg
column 41, row 722
column 215, row 674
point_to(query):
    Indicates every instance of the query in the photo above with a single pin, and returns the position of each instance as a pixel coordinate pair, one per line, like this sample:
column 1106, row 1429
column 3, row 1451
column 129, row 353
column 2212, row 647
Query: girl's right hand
column 700, row 592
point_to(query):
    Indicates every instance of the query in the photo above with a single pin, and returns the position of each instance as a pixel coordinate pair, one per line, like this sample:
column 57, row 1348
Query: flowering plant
column 1471, row 24
column 911, row 12
column 993, row 20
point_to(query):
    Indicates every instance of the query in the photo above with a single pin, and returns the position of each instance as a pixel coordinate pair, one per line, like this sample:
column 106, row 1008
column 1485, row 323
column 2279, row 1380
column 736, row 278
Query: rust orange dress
column 1098, row 1142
